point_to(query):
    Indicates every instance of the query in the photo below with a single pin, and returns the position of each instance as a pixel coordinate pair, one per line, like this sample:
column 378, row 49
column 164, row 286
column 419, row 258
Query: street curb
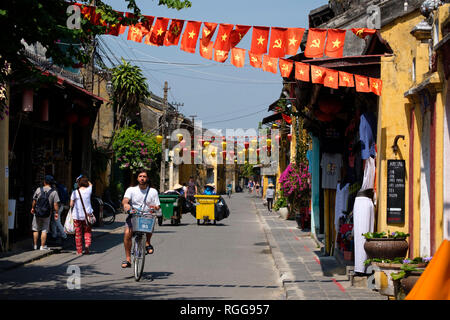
column 286, row 277
column 51, row 252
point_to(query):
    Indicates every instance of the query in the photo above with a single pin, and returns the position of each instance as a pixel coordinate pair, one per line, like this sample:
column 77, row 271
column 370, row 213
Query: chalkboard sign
column 396, row 191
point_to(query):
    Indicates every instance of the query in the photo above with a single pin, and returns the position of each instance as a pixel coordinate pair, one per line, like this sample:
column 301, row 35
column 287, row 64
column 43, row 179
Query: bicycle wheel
column 138, row 256
column 109, row 213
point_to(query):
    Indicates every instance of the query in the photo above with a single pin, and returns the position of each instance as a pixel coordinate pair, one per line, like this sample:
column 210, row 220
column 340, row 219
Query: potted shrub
column 280, row 206
column 409, row 273
column 386, row 246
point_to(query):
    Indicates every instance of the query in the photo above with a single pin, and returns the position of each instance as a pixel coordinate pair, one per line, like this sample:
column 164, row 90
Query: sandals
column 126, row 264
column 149, row 247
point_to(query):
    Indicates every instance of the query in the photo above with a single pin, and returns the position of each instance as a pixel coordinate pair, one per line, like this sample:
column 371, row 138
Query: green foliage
column 134, row 149
column 379, row 235
column 248, row 170
column 281, row 202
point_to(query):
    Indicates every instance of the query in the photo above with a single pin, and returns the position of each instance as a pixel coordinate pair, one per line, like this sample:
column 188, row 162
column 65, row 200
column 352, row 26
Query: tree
column 129, row 89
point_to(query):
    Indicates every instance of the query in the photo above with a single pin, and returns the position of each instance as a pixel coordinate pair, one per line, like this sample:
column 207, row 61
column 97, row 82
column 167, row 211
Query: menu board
column 396, row 191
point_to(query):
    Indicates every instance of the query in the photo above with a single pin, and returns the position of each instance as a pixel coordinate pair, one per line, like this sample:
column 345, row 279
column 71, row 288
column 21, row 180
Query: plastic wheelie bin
column 205, row 208
column 170, row 209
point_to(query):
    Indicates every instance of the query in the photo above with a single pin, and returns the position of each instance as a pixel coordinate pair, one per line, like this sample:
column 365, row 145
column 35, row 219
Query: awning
column 63, row 82
column 272, row 118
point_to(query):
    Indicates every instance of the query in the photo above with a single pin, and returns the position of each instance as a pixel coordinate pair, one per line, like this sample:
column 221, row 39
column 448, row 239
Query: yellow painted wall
column 394, row 119
column 393, row 112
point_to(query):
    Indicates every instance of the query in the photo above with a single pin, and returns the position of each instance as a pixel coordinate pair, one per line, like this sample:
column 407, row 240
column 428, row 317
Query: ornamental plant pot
column 386, row 248
column 403, row 286
column 284, row 212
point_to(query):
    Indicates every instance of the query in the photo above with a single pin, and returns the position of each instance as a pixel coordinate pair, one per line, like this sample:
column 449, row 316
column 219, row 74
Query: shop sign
column 396, row 191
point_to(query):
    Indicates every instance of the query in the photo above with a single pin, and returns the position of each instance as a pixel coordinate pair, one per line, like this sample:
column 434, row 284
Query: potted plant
column 409, row 273
column 386, row 246
column 281, row 206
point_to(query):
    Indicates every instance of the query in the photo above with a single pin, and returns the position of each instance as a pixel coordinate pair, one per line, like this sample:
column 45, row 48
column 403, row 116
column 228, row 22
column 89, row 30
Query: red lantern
column 84, row 121
column 257, row 151
column 72, row 117
column 27, row 100
column 44, row 110
column 290, row 136
column 246, row 144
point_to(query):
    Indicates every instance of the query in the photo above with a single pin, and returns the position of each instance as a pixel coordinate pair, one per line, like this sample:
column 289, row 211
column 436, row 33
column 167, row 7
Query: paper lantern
column 177, row 149
column 289, row 136
column 84, row 121
column 183, row 143
column 254, row 142
column 159, row 138
column 224, row 145
column 213, row 153
column 72, row 117
column 269, row 142
column 274, row 125
column 44, row 110
column 27, row 100
column 206, row 143
column 246, row 144
column 180, row 136
column 185, row 149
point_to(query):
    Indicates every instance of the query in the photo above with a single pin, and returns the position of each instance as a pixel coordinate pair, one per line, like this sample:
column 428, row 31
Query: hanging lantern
column 84, row 121
column 201, row 142
column 27, row 100
column 274, row 126
column 251, row 149
column 206, row 143
column 246, row 144
column 180, row 137
column 224, row 145
column 231, row 153
column 72, row 118
column 44, row 110
column 213, row 154
column 194, row 153
column 254, row 142
column 183, row 143
column 269, row 142
column 159, row 138
column 177, row 149
column 257, row 151
column 289, row 136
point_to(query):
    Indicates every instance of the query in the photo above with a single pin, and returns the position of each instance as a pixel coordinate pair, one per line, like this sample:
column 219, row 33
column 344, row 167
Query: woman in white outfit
column 79, row 216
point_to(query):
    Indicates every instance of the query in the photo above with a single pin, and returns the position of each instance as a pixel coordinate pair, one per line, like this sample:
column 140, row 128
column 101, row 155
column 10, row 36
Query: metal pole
column 163, row 144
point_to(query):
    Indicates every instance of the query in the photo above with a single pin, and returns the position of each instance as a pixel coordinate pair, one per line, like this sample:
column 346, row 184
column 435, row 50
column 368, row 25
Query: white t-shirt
column 331, row 169
column 136, row 198
column 78, row 212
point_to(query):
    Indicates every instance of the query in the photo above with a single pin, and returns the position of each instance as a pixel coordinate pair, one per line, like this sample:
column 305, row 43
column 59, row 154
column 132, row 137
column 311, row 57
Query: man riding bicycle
column 133, row 200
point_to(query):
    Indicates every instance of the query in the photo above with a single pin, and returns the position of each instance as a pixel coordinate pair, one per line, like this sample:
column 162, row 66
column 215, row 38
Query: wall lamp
column 395, row 146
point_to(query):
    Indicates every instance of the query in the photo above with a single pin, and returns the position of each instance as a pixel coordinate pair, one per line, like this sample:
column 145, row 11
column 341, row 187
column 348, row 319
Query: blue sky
column 219, row 94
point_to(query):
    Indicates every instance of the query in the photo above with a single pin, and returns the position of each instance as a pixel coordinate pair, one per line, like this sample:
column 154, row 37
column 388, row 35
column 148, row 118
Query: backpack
column 62, row 193
column 43, row 208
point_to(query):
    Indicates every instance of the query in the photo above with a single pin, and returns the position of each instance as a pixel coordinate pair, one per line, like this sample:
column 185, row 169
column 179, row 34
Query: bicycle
column 109, row 211
column 143, row 223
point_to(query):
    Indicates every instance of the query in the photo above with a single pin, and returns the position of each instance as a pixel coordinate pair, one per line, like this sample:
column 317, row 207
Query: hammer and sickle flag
column 363, row 32
column 220, row 55
column 277, row 42
column 302, row 71
column 346, row 79
column 318, row 74
column 255, row 60
column 315, row 43
column 173, row 35
column 207, row 33
column 286, row 67
column 375, row 85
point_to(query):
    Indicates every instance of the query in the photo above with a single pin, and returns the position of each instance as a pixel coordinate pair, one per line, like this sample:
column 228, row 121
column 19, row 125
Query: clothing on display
column 331, row 164
column 363, row 220
column 367, row 134
column 341, row 203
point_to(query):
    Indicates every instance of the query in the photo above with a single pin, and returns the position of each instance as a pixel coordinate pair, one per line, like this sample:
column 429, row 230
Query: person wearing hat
column 270, row 192
column 45, row 200
column 210, row 189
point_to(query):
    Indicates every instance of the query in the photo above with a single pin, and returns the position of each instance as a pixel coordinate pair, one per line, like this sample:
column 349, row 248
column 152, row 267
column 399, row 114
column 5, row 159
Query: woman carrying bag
column 82, row 213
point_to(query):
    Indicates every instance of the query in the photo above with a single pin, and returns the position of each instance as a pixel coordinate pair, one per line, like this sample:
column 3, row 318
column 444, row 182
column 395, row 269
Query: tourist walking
column 80, row 203
column 270, row 192
column 45, row 203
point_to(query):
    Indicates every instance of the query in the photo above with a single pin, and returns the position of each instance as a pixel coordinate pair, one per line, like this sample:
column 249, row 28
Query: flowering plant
column 389, row 235
column 135, row 149
column 296, row 183
column 4, row 72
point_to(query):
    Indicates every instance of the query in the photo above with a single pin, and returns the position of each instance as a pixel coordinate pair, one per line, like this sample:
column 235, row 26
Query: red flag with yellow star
column 346, row 79
column 287, row 118
column 335, row 43
column 220, row 55
column 315, row 43
column 363, row 32
column 237, row 34
column 277, row 42
column 361, row 83
column 238, row 57
column 159, row 31
column 260, row 39
column 208, row 31
column 255, row 60
column 174, row 33
column 375, row 86
column 318, row 74
column 331, row 79
column 293, row 38
column 269, row 64
column 302, row 71
column 223, row 37
column 190, row 36
column 206, row 51
column 286, row 67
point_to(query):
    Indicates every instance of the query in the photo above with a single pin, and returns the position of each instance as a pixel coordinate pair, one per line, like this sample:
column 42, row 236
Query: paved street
column 230, row 260
column 252, row 255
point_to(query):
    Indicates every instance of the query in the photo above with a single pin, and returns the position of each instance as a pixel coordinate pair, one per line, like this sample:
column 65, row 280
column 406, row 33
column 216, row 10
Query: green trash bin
column 169, row 209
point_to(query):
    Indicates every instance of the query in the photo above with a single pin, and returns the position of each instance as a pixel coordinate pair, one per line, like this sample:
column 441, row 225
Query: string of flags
column 269, row 45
